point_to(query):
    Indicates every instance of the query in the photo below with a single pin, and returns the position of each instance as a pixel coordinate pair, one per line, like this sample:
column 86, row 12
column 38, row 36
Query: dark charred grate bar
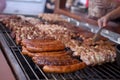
column 108, row 71
column 4, row 29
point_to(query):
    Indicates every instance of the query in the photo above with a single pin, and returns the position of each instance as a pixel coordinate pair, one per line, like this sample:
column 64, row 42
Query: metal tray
column 115, row 37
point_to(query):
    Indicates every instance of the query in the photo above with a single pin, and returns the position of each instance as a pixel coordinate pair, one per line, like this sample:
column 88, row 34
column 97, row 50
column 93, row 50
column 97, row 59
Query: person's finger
column 100, row 23
column 104, row 22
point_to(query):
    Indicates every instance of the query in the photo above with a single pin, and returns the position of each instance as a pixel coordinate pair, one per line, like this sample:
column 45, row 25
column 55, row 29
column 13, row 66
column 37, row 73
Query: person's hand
column 102, row 22
column 48, row 5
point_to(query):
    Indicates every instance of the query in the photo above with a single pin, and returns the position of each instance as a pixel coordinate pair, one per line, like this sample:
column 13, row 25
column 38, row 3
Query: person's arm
column 102, row 22
column 114, row 14
column 2, row 5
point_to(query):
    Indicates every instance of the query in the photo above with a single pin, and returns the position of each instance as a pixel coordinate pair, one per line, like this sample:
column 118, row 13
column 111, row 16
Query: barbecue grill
column 25, row 69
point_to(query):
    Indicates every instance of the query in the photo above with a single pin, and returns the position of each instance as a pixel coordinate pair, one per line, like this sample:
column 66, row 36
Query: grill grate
column 34, row 72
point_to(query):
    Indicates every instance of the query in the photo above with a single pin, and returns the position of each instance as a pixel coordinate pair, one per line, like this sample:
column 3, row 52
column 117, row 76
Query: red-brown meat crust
column 64, row 69
column 56, row 53
column 37, row 45
column 54, row 60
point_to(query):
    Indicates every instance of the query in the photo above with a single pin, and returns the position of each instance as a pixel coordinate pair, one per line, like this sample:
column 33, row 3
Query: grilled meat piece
column 96, row 53
column 91, row 53
column 55, row 53
column 38, row 45
column 22, row 28
column 59, row 64
column 54, row 60
column 51, row 18
column 60, row 33
column 64, row 69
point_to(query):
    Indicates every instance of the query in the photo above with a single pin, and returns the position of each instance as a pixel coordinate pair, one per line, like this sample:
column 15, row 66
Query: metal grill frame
column 25, row 69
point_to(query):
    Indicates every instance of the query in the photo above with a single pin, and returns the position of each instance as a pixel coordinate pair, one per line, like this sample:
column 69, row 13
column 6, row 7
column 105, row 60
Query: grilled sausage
column 64, row 69
column 26, row 52
column 57, row 53
column 54, row 60
column 30, row 54
column 36, row 45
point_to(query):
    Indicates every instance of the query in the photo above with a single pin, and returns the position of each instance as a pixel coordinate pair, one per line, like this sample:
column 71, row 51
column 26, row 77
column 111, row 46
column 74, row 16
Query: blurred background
column 34, row 7
column 27, row 7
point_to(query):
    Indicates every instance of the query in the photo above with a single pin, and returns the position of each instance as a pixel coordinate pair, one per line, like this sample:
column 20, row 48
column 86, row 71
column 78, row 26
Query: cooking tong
column 96, row 36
